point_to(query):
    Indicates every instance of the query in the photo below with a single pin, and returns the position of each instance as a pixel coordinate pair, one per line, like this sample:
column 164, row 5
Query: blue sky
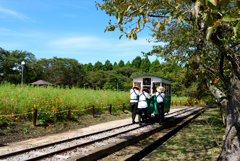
column 65, row 29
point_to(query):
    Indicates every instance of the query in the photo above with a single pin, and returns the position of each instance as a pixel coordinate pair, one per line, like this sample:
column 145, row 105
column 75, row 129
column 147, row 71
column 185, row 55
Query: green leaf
column 179, row 18
column 120, row 37
column 225, row 3
column 134, row 36
column 209, row 32
column 238, row 4
column 105, row 29
column 116, row 14
column 235, row 28
column 196, row 7
column 226, row 18
column 120, row 28
column 210, row 5
column 214, row 2
column 120, row 19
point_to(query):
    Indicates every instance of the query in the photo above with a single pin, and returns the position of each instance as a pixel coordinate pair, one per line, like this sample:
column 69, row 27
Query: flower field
column 19, row 102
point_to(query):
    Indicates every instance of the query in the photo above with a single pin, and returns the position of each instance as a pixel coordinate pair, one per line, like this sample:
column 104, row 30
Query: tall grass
column 16, row 99
column 176, row 98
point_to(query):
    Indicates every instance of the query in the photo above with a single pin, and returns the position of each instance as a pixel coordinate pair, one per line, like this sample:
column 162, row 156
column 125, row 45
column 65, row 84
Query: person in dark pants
column 142, row 105
column 134, row 93
column 160, row 105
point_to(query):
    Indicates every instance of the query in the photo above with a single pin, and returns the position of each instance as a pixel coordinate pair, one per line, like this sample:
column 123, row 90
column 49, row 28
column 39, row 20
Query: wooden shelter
column 41, row 82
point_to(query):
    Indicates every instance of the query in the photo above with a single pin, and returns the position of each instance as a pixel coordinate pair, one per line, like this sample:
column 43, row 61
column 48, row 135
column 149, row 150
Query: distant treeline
column 69, row 72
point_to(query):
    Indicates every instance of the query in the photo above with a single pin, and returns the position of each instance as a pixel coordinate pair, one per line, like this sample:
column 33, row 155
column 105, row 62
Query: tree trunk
column 231, row 143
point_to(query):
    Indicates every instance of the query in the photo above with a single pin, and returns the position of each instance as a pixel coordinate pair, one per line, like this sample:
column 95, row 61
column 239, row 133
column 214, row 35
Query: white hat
column 160, row 89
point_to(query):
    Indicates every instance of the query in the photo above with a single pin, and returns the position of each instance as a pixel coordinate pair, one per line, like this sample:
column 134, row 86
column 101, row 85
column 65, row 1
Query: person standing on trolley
column 142, row 105
column 134, row 94
column 160, row 105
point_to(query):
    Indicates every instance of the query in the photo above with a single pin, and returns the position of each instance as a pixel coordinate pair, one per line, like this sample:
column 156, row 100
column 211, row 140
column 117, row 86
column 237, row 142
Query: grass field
column 53, row 103
column 195, row 142
column 15, row 99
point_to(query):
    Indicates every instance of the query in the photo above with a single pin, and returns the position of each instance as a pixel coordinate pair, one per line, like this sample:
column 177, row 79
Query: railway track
column 64, row 149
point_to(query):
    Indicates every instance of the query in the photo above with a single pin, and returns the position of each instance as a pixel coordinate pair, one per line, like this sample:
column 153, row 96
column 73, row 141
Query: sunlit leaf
column 120, row 37
column 120, row 19
column 228, row 18
column 196, row 7
column 105, row 29
column 134, row 36
column 210, row 5
column 209, row 32
column 120, row 28
column 214, row 2
column 235, row 28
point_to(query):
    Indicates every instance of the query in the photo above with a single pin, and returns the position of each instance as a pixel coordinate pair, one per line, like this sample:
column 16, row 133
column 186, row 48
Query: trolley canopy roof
column 149, row 75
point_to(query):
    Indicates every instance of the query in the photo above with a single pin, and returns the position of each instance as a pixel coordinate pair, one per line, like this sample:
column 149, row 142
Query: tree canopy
column 203, row 35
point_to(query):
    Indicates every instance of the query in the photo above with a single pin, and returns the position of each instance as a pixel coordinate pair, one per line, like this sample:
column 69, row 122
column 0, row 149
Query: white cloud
column 98, row 43
column 138, row 42
column 4, row 29
column 80, row 42
column 13, row 13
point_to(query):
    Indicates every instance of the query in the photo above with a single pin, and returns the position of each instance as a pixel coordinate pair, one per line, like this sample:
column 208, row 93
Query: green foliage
column 107, row 66
column 89, row 67
column 145, row 64
column 137, row 62
column 154, row 66
column 62, row 71
column 203, row 31
column 11, row 69
column 97, row 66
column 128, row 64
column 115, row 66
column 121, row 63
column 15, row 99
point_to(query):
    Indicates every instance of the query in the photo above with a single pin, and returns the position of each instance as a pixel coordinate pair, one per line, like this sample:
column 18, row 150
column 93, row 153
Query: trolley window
column 155, row 85
column 146, row 81
column 167, row 89
column 138, row 84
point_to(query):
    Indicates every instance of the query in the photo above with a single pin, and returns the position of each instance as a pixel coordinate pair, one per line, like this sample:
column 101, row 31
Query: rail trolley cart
column 152, row 82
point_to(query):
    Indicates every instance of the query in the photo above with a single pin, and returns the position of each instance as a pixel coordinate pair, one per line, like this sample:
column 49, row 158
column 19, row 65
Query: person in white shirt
column 160, row 105
column 142, row 104
column 134, row 93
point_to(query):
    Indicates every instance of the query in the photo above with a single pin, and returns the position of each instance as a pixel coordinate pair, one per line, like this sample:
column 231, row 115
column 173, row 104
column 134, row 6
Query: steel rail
column 58, row 142
column 90, row 142
column 156, row 144
column 78, row 137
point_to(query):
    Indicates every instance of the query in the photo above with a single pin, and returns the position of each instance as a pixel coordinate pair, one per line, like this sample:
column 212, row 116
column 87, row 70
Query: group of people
column 138, row 101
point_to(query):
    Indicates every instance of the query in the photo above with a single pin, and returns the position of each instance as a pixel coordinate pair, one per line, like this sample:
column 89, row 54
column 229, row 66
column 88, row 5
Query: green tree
column 97, row 66
column 154, row 67
column 209, row 47
column 121, row 63
column 62, row 71
column 107, row 66
column 128, row 64
column 115, row 66
column 89, row 67
column 11, row 68
column 127, row 71
column 145, row 64
column 137, row 62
